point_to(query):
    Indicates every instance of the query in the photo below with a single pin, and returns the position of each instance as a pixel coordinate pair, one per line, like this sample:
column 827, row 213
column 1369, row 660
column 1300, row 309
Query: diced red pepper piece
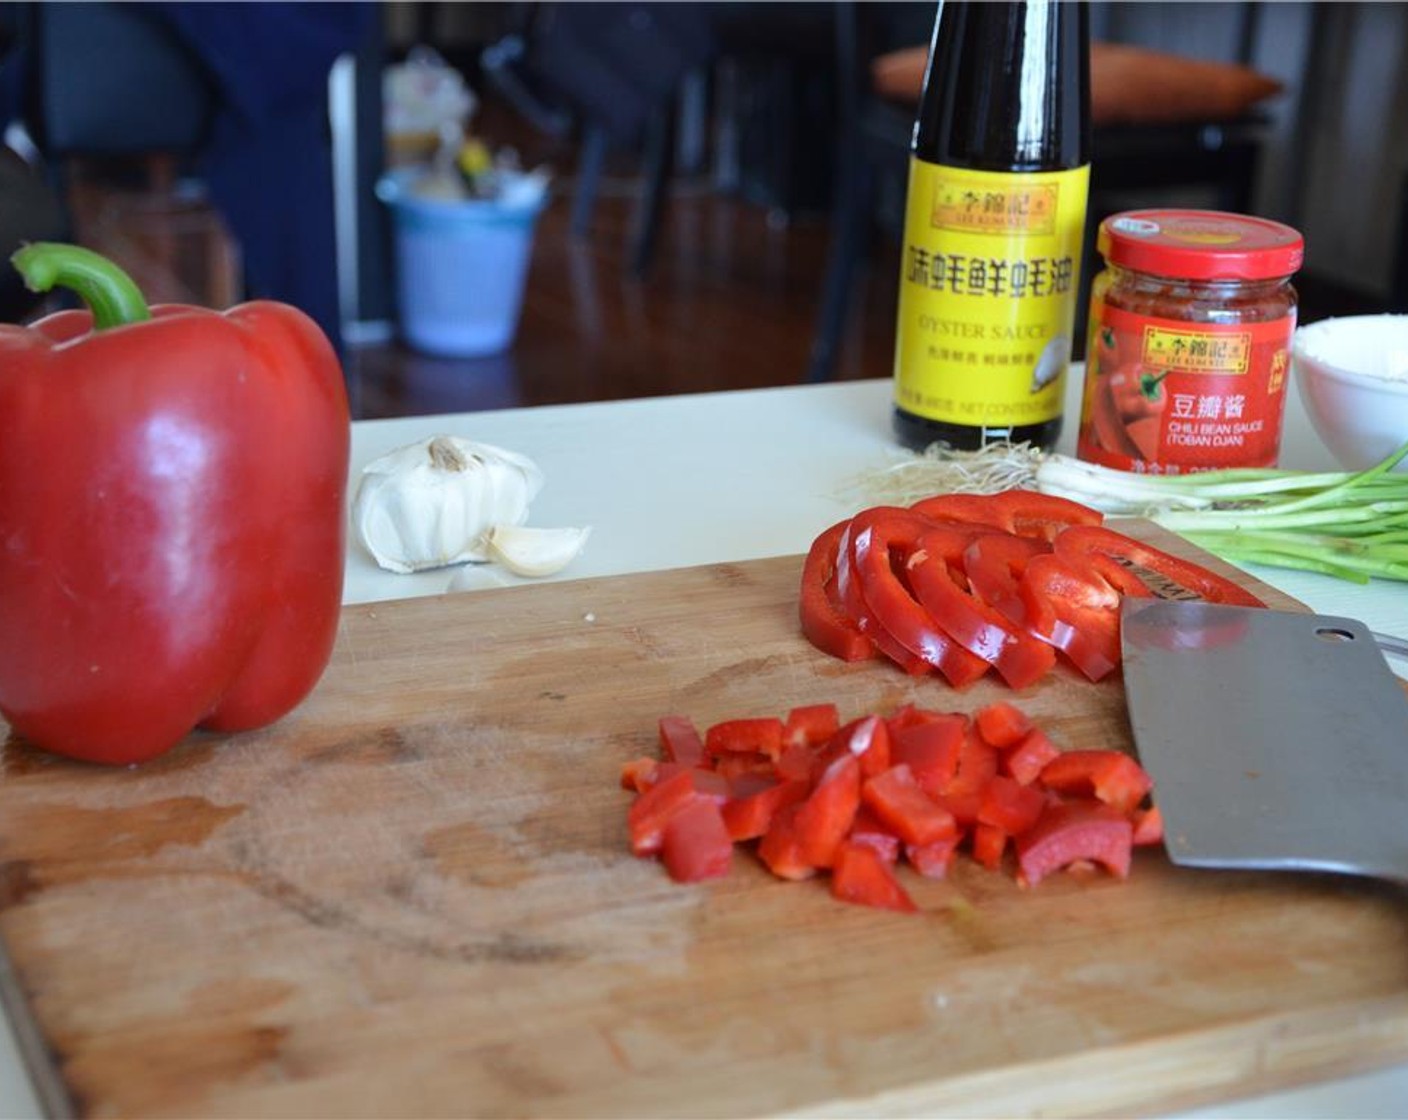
column 735, row 766
column 1010, row 806
column 1112, row 776
column 989, row 844
column 639, row 774
column 781, row 848
column 750, row 816
column 867, row 828
column 1148, row 826
column 652, row 810
column 1002, row 724
column 825, row 817
column 825, row 621
column 862, row 876
column 931, row 749
column 810, row 725
column 897, row 799
column 934, row 859
column 798, row 762
column 696, row 843
column 866, row 738
column 977, row 765
column 1070, row 832
column 1023, row 762
column 680, row 741
column 745, row 736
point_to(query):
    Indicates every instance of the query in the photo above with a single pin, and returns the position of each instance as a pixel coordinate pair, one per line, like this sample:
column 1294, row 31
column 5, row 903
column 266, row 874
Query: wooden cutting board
column 413, row 897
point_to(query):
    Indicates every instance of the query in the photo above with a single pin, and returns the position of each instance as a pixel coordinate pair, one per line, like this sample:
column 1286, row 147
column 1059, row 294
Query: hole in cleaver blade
column 1269, row 745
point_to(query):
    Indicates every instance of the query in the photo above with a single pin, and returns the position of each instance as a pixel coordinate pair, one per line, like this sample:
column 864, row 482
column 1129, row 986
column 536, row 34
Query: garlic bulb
column 431, row 503
column 535, row 552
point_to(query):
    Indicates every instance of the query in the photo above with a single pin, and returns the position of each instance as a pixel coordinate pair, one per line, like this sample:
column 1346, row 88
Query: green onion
column 1349, row 524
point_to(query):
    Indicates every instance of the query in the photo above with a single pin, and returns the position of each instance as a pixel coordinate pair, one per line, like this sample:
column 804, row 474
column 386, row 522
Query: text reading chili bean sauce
column 1188, row 352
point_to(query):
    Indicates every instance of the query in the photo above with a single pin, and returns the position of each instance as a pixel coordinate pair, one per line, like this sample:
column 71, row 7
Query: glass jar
column 1188, row 351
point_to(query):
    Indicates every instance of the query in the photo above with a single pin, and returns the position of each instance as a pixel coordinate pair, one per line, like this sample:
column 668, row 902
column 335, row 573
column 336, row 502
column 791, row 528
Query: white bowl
column 1353, row 378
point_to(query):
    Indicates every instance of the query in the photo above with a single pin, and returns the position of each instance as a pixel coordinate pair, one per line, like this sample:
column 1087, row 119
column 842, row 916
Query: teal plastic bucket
column 461, row 267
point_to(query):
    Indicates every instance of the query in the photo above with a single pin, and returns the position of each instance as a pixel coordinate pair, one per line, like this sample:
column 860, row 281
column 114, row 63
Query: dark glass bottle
column 999, row 173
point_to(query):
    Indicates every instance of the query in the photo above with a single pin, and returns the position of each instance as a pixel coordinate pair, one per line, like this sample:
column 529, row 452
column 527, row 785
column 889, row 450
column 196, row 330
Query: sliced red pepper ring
column 1114, row 554
column 982, row 630
column 824, row 622
column 878, row 538
column 1081, row 611
column 1027, row 513
column 972, row 509
column 994, row 564
column 859, row 609
column 1023, row 513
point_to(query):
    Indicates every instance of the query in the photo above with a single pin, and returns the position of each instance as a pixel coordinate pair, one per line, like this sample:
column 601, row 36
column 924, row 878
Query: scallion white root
column 1349, row 524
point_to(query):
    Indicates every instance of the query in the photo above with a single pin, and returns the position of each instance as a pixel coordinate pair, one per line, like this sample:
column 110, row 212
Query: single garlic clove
column 529, row 551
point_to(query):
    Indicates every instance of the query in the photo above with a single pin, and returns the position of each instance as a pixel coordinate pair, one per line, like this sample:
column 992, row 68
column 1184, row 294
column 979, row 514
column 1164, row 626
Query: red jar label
column 1168, row 396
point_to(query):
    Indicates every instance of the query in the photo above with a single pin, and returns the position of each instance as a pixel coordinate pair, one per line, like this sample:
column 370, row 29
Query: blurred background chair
column 229, row 98
column 1164, row 127
column 619, row 72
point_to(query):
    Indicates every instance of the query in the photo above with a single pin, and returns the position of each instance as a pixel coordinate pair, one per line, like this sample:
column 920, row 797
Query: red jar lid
column 1200, row 245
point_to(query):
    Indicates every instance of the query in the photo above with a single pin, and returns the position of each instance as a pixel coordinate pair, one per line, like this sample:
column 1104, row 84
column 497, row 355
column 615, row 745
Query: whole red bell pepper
column 171, row 510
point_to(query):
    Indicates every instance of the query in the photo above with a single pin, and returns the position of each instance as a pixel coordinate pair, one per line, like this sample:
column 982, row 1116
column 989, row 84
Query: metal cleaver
column 1275, row 740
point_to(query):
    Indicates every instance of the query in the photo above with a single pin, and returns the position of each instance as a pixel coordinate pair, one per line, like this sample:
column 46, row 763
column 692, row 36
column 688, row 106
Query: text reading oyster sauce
column 1188, row 352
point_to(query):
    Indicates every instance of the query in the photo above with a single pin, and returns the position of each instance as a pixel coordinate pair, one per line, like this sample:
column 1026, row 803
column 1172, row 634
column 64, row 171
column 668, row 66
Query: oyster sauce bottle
column 995, row 218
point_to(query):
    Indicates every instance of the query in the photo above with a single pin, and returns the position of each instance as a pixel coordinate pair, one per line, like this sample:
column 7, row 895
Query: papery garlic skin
column 532, row 551
column 430, row 503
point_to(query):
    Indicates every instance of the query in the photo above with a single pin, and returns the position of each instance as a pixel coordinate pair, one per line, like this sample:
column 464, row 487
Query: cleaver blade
column 1275, row 740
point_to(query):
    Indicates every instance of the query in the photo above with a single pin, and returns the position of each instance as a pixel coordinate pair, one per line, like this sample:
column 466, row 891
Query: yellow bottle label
column 988, row 283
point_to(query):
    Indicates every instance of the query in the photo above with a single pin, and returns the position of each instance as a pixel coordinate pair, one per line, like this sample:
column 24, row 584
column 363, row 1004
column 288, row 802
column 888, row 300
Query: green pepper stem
column 109, row 292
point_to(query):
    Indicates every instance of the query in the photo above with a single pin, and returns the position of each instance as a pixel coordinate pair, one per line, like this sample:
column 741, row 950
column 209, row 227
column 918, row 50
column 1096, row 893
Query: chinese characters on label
column 961, row 275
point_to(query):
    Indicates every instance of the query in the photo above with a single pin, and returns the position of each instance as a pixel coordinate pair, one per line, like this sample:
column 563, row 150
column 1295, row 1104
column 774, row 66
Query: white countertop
column 675, row 481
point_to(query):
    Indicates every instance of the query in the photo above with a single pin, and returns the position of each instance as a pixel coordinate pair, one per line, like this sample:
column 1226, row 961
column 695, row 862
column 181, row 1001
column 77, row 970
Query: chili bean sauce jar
column 1188, row 352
